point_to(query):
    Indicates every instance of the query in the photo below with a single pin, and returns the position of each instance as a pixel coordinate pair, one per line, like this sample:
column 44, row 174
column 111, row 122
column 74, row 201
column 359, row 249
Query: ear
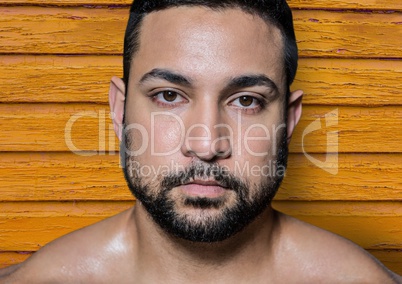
column 116, row 102
column 294, row 112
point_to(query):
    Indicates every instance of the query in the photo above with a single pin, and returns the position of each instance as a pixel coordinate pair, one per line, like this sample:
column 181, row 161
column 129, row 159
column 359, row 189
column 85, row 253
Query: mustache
column 204, row 171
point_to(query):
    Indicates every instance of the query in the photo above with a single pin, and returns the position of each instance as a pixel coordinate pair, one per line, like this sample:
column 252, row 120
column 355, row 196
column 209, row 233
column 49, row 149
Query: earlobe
column 294, row 112
column 116, row 103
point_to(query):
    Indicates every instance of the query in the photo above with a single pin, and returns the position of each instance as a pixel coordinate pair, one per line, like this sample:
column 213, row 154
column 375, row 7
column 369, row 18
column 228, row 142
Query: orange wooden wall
column 57, row 57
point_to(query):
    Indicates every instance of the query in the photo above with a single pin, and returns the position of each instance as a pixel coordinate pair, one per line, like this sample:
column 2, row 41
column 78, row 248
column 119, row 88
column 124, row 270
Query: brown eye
column 169, row 96
column 246, row 101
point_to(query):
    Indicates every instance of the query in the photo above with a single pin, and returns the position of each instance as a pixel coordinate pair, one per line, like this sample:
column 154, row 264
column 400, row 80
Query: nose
column 207, row 137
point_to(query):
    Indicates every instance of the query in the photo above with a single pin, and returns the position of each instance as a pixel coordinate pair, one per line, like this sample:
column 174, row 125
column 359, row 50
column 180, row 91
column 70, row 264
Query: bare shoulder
column 82, row 254
column 323, row 256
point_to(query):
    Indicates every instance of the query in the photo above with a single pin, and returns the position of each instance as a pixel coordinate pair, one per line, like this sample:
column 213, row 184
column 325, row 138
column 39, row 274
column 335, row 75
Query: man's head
column 207, row 113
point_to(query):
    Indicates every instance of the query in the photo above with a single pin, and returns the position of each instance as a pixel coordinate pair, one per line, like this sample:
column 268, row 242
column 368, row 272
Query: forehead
column 209, row 45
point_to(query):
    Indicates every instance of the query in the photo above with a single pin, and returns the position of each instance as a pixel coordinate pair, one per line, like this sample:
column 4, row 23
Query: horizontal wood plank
column 61, row 176
column 359, row 177
column 345, row 4
column 349, row 82
column 100, row 31
column 62, row 30
column 65, row 176
column 30, row 225
column 8, row 258
column 348, row 34
column 372, row 225
column 355, row 128
column 86, row 79
column 87, row 127
column 296, row 4
column 57, row 78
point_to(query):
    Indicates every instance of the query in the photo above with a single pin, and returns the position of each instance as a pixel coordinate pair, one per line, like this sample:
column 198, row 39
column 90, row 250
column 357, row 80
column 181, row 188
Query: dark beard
column 230, row 220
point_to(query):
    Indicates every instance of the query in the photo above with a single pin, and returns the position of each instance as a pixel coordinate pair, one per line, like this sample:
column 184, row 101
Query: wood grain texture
column 57, row 79
column 65, row 176
column 100, row 31
column 350, row 82
column 30, row 229
column 62, row 30
column 8, row 258
column 348, row 34
column 360, row 130
column 86, row 79
column 346, row 4
column 359, row 177
column 87, row 127
column 61, row 176
column 297, row 4
column 372, row 225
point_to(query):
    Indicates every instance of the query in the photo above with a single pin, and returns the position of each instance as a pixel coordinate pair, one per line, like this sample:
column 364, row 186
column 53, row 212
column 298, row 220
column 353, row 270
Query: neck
column 163, row 254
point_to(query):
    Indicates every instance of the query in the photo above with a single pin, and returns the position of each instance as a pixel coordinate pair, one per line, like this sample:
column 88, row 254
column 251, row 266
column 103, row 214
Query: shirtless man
column 210, row 80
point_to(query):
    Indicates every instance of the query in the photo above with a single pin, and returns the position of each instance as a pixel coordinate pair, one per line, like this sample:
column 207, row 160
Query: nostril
column 224, row 154
column 207, row 149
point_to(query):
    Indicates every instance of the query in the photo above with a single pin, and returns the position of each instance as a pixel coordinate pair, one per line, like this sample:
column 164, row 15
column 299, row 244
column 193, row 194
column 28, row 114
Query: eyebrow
column 252, row 80
column 239, row 82
column 166, row 75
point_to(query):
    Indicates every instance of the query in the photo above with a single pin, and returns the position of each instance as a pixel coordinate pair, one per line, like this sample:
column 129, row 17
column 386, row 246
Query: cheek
column 167, row 134
column 137, row 139
column 256, row 141
column 154, row 134
column 155, row 140
column 260, row 140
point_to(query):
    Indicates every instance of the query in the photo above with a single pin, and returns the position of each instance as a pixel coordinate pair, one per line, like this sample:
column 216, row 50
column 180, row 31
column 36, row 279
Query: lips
column 209, row 189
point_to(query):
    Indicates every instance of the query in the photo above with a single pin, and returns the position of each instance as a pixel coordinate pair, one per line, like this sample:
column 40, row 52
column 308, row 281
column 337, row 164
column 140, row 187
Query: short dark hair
column 276, row 12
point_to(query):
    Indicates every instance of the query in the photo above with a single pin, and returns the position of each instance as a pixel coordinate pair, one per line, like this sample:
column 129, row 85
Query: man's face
column 204, row 119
